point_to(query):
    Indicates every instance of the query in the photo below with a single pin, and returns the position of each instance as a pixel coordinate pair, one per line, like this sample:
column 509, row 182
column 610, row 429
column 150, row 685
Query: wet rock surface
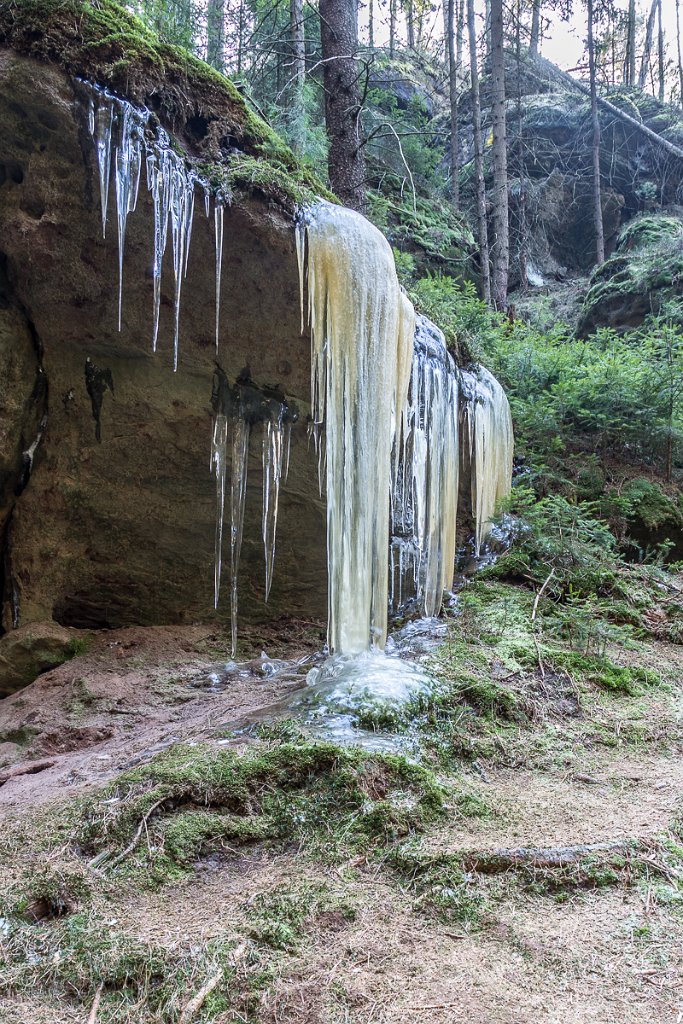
column 119, row 531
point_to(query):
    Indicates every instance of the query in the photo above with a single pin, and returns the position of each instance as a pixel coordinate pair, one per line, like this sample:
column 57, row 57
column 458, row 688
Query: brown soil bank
column 120, row 532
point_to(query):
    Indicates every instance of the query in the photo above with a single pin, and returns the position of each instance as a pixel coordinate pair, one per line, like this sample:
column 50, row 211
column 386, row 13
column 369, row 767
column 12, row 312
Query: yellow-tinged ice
column 362, row 327
column 491, row 447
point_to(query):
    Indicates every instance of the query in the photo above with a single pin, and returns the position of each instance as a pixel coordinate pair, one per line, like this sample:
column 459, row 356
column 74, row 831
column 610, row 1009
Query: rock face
column 120, row 532
column 644, row 273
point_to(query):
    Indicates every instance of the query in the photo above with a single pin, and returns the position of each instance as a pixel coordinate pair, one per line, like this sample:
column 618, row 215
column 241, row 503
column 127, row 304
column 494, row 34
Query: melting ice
column 488, row 424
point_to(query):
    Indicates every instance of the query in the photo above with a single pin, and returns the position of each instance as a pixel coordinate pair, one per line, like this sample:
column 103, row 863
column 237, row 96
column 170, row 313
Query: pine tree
column 500, row 246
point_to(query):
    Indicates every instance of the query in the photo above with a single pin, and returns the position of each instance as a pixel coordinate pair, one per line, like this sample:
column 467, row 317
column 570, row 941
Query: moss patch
column 103, row 42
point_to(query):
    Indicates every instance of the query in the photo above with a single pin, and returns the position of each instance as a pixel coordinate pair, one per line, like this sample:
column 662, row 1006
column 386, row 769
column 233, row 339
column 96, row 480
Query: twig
column 92, row 1016
column 539, row 595
column 195, row 1004
column 136, row 838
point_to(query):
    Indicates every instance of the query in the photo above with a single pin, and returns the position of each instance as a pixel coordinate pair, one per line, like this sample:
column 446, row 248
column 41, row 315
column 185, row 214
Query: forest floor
column 171, row 853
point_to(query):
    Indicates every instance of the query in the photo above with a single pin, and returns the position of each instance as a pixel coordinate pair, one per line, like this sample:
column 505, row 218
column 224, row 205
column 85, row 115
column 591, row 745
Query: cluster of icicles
column 125, row 142
column 386, row 392
column 384, row 396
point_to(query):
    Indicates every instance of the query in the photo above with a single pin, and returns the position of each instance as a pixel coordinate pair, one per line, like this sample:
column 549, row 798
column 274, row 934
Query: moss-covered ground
column 305, row 881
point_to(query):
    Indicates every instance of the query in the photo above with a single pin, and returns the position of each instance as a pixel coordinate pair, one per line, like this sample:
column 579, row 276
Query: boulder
column 645, row 272
column 28, row 651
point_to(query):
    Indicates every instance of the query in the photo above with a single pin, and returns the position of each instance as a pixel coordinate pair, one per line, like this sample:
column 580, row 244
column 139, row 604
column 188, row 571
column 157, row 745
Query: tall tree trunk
column 660, row 51
column 215, row 34
column 339, row 38
column 521, row 162
column 595, row 120
column 453, row 95
column 647, row 47
column 535, row 27
column 298, row 44
column 630, row 69
column 487, row 26
column 371, row 24
column 410, row 19
column 500, row 247
column 680, row 61
column 478, row 158
column 392, row 27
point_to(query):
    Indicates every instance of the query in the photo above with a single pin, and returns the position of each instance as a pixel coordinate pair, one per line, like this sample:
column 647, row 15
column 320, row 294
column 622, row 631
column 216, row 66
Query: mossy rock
column 645, row 273
column 103, row 42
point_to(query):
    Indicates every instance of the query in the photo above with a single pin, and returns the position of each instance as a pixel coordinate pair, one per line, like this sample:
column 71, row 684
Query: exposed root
column 495, row 862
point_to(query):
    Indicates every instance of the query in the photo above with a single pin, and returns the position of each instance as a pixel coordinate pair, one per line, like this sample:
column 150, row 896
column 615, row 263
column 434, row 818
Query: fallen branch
column 27, row 769
column 539, row 595
column 494, row 862
column 195, row 1004
column 670, row 147
column 92, row 1016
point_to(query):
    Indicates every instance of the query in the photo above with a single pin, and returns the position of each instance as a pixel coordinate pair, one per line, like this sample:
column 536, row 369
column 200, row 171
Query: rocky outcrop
column 120, row 531
column 645, row 273
column 28, row 651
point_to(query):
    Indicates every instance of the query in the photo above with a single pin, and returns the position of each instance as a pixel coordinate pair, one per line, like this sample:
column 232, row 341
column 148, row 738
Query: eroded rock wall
column 121, row 532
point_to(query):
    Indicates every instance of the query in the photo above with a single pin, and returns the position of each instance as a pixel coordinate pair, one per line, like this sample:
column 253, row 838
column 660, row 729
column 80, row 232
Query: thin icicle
column 238, row 493
column 273, row 451
column 127, row 174
column 101, row 122
column 219, row 447
column 218, row 235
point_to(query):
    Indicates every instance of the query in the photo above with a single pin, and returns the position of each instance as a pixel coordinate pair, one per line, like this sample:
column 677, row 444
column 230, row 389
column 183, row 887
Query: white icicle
column 491, row 446
column 238, row 493
column 362, row 329
column 127, row 174
column 102, row 125
column 426, row 479
column 218, row 226
column 273, row 451
column 219, row 446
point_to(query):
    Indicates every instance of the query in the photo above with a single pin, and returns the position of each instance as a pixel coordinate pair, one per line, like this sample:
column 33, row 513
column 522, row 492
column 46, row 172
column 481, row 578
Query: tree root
column 494, row 862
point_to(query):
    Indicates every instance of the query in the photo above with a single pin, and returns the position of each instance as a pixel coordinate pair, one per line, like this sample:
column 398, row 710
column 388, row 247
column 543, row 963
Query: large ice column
column 425, row 492
column 491, row 445
column 362, row 328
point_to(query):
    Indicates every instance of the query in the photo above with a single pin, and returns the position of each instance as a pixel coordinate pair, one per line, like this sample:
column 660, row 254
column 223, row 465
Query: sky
column 563, row 43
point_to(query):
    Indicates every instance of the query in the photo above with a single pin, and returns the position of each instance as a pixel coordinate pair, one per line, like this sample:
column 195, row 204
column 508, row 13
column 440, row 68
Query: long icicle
column 218, row 234
column 362, row 330
column 238, row 493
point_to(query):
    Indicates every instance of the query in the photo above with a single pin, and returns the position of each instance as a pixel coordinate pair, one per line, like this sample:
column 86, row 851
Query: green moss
column 200, row 798
column 648, row 266
column 103, row 42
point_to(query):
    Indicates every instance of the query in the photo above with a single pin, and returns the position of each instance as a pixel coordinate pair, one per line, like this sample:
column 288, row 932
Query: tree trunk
column 647, row 48
column 371, row 24
column 453, row 95
column 595, row 120
column 500, row 248
column 410, row 19
column 298, row 44
column 521, row 162
column 478, row 158
column 215, row 34
column 392, row 27
column 339, row 38
column 630, row 69
column 680, row 61
column 660, row 51
column 535, row 27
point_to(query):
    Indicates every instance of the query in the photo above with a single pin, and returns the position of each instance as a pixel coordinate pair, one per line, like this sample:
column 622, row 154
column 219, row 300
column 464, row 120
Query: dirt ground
column 611, row 955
